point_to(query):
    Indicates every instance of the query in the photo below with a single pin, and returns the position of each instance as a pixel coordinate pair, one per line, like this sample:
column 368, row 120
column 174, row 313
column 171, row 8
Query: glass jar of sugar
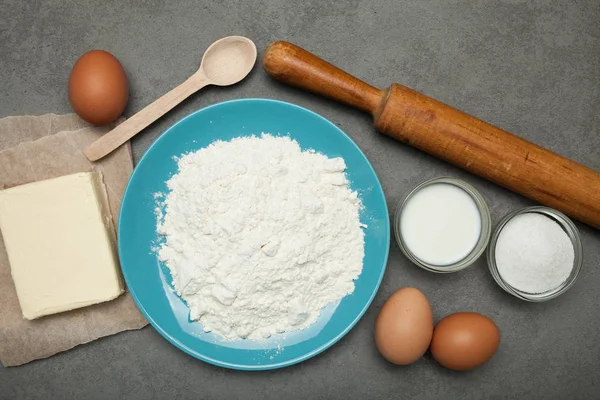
column 443, row 225
column 535, row 253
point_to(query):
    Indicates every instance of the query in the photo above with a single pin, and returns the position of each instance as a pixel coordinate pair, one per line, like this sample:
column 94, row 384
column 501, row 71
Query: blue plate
column 149, row 281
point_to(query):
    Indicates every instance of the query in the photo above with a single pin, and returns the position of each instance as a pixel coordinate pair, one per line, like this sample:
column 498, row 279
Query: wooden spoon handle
column 297, row 67
column 132, row 126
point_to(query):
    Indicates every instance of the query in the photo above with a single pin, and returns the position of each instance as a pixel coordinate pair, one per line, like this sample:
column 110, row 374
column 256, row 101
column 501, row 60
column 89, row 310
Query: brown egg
column 464, row 340
column 98, row 90
column 404, row 327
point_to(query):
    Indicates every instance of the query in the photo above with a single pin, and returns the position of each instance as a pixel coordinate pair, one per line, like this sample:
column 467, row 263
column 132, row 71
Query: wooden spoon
column 225, row 62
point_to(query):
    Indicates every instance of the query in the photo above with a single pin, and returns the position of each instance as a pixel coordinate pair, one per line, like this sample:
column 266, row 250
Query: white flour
column 260, row 236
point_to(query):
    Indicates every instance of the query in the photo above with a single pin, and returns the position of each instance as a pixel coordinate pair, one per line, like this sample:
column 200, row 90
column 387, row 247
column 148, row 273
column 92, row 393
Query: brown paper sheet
column 15, row 130
column 22, row 341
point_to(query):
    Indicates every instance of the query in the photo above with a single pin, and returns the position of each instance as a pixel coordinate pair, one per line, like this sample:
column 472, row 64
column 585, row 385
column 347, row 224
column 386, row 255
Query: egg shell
column 98, row 89
column 464, row 341
column 404, row 327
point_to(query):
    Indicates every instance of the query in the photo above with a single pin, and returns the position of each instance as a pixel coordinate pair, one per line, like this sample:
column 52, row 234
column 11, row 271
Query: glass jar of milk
column 443, row 225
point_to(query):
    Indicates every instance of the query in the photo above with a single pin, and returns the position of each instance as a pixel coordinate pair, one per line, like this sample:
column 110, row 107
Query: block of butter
column 61, row 244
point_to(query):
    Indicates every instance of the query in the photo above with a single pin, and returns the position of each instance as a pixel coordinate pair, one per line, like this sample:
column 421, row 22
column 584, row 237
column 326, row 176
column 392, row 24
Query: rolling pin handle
column 297, row 67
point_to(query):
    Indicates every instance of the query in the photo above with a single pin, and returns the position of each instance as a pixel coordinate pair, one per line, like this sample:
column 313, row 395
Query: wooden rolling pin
column 449, row 134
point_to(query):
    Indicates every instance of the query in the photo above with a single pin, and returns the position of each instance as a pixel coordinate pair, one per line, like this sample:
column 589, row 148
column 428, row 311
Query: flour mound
column 260, row 235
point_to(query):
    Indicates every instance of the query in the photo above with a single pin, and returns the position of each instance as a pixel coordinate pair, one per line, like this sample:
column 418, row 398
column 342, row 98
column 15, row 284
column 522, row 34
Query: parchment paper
column 15, row 130
column 59, row 154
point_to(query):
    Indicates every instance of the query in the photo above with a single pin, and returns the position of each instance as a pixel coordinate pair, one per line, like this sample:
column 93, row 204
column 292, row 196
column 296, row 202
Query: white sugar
column 534, row 254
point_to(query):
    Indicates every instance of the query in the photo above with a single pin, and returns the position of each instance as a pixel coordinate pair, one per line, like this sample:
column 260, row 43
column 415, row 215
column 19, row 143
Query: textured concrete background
column 532, row 68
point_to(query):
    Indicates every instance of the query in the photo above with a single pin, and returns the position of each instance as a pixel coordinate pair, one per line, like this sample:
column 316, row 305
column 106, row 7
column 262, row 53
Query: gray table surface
column 532, row 68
